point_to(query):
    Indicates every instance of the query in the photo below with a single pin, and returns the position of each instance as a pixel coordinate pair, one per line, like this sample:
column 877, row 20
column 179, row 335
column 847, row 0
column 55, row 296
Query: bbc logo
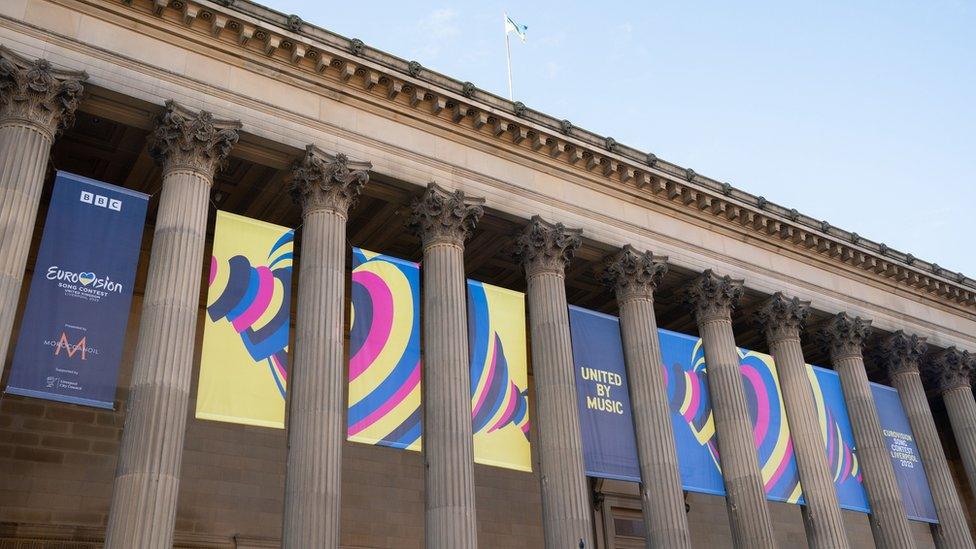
column 101, row 201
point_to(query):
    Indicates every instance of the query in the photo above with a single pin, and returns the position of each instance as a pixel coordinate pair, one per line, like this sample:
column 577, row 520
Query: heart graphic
column 86, row 278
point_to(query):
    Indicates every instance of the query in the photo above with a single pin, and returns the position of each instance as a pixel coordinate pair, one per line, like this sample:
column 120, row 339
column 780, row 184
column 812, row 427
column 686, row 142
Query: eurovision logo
column 84, row 284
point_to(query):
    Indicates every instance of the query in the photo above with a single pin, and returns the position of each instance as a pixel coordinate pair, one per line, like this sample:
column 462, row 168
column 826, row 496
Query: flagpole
column 508, row 56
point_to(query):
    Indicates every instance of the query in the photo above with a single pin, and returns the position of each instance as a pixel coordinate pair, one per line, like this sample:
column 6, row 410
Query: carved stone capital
column 711, row 296
column 443, row 216
column 32, row 92
column 950, row 369
column 632, row 274
column 188, row 140
column 782, row 317
column 321, row 181
column 546, row 247
column 901, row 352
column 844, row 335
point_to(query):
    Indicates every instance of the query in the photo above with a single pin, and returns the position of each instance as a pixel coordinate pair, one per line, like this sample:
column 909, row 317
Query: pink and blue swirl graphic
column 247, row 296
column 496, row 400
column 384, row 353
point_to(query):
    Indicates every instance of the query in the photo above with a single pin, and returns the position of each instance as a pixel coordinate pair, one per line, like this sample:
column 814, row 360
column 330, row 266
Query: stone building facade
column 228, row 104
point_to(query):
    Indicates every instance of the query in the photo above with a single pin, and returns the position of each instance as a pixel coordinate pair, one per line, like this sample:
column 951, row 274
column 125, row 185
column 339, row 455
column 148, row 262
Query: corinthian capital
column 321, row 181
column 32, row 92
column 632, row 274
column 195, row 141
column 951, row 368
column 782, row 317
column 712, row 296
column 901, row 352
column 546, row 247
column 441, row 216
column 844, row 335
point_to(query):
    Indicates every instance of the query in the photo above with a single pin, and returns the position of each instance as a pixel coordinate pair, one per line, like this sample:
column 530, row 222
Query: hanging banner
column 602, row 395
column 499, row 376
column 244, row 360
column 838, row 438
column 71, row 337
column 686, row 371
column 384, row 351
column 905, row 457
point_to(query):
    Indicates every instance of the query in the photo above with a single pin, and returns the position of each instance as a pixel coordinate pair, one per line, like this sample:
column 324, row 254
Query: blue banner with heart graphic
column 73, row 329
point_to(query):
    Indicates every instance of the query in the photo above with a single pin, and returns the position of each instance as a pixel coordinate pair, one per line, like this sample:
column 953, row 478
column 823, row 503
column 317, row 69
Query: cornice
column 313, row 50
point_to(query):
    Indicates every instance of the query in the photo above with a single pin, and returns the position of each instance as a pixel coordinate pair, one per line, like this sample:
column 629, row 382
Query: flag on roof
column 512, row 26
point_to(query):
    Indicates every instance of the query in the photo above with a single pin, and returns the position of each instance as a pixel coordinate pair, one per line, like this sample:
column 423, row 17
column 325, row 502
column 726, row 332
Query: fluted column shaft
column 147, row 476
column 951, row 531
column 36, row 102
column 822, row 516
column 567, row 516
column 951, row 371
column 314, row 473
column 448, row 442
column 961, row 406
column 901, row 354
column 889, row 524
column 823, row 520
column 712, row 298
column 633, row 277
column 325, row 186
column 24, row 153
column 444, row 220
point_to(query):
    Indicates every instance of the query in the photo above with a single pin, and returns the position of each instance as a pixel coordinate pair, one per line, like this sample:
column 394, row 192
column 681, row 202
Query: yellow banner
column 244, row 361
column 499, row 376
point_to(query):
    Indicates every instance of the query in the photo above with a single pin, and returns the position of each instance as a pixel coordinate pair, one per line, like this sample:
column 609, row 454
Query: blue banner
column 609, row 447
column 838, row 438
column 905, row 457
column 603, row 398
column 71, row 337
column 691, row 413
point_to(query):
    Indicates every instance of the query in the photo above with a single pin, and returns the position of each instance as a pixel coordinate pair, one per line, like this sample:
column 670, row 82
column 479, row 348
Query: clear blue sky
column 860, row 113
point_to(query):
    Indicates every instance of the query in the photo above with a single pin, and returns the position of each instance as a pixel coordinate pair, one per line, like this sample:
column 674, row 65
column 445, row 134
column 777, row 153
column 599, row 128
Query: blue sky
column 860, row 113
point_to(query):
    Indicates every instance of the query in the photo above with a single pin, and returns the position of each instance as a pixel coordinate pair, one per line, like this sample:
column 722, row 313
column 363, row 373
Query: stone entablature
column 289, row 40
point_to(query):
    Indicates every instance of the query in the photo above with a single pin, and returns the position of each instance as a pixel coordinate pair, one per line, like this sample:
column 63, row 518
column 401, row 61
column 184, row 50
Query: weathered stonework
column 632, row 274
column 711, row 299
column 192, row 141
column 546, row 247
column 34, row 93
column 443, row 216
column 322, row 181
column 444, row 220
column 951, row 368
column 900, row 354
column 36, row 102
column 844, row 336
column 190, row 146
column 326, row 186
column 544, row 250
column 782, row 317
column 713, row 296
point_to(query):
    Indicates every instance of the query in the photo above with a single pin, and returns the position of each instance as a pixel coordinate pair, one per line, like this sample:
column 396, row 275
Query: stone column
column 544, row 249
column 951, row 370
column 325, row 187
column 190, row 146
column 712, row 298
column 781, row 319
column 900, row 353
column 444, row 220
column 36, row 103
column 844, row 337
column 633, row 276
